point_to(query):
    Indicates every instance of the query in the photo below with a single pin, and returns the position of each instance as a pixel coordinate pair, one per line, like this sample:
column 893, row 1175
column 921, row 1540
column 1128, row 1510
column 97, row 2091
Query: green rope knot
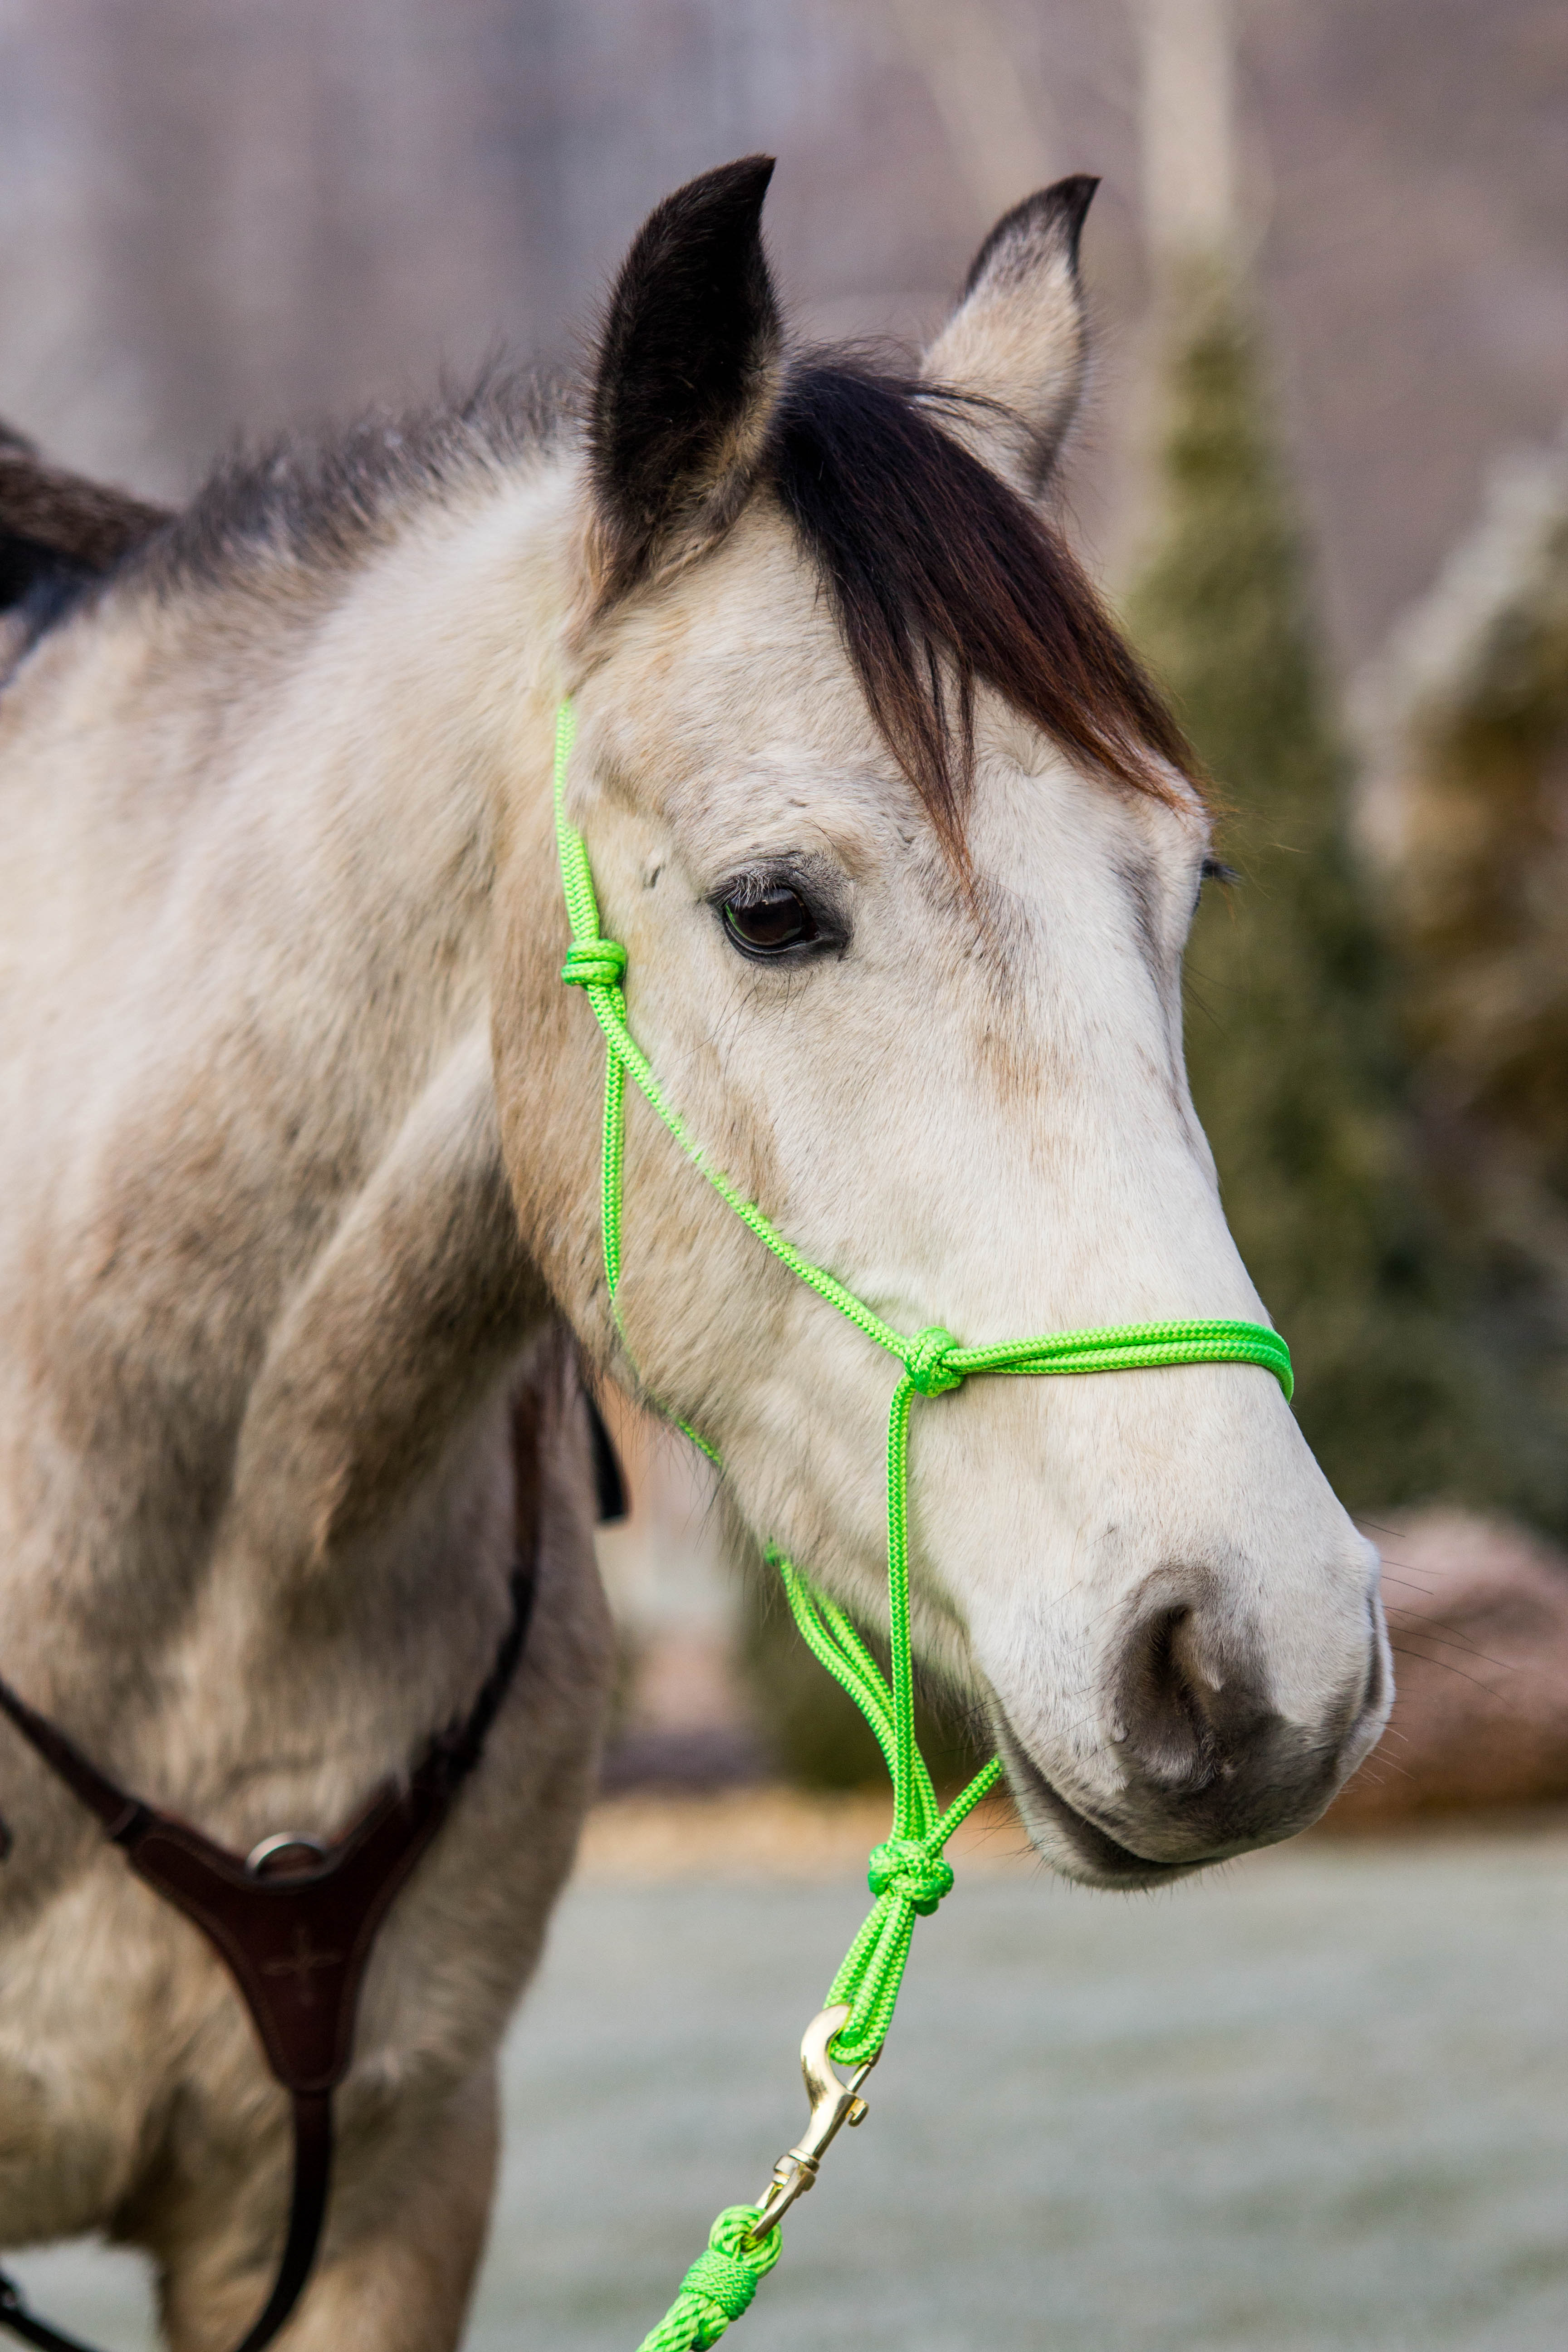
column 595, row 963
column 904, row 1866
column 927, row 1361
column 720, row 2284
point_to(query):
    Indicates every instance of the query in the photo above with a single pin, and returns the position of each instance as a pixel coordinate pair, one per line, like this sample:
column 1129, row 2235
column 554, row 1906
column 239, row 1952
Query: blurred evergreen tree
column 1291, row 1040
column 1467, row 712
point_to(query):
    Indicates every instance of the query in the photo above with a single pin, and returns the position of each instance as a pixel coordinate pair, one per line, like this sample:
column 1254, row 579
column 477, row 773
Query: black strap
column 307, row 2212
column 114, row 1807
column 609, row 1478
column 15, row 2315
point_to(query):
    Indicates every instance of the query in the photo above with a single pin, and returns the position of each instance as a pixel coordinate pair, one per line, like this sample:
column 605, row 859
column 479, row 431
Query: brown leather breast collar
column 294, row 1922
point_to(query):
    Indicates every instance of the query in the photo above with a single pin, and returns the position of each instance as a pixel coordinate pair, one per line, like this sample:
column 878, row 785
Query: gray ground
column 1320, row 2102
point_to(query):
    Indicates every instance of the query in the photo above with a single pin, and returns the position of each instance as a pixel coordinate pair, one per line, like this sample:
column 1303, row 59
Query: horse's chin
column 1075, row 1846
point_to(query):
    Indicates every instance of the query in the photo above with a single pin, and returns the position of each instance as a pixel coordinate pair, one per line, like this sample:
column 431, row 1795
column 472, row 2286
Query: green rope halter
column 908, row 1875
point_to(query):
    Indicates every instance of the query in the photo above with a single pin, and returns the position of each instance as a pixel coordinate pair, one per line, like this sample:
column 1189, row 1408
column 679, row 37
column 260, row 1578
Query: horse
column 300, row 1243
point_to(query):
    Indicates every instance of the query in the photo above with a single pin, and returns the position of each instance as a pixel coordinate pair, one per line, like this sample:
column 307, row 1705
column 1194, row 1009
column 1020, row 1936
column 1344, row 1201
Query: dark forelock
column 943, row 579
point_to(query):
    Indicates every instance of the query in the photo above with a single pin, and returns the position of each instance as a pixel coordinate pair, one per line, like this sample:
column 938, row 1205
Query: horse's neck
column 252, row 1209
column 367, row 804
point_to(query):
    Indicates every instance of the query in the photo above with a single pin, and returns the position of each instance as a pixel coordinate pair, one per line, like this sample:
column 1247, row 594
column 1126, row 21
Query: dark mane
column 943, row 579
column 325, row 503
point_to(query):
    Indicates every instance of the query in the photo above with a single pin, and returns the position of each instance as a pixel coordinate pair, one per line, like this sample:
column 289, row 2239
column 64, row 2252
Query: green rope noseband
column 908, row 1875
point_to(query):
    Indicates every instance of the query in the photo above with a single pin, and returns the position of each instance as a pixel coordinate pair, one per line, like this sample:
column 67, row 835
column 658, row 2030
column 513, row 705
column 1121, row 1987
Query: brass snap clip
column 833, row 2102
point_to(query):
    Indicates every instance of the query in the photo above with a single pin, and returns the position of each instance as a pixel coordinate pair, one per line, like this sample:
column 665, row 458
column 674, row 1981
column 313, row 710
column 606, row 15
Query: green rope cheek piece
column 908, row 1875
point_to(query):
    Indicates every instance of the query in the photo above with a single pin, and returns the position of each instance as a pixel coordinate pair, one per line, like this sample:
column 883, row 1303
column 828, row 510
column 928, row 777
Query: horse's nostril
column 1185, row 1704
column 1158, row 1715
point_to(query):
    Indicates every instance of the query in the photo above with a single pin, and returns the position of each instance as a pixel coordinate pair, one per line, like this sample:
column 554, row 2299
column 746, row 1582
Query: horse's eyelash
column 748, row 890
column 1214, row 869
column 752, row 883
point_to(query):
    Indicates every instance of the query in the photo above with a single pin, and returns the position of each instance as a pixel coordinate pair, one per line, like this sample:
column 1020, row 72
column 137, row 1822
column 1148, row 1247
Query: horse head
column 904, row 848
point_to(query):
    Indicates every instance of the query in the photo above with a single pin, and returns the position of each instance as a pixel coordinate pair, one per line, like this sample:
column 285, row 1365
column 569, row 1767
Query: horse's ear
column 1016, row 343
column 687, row 371
column 64, row 516
column 58, row 531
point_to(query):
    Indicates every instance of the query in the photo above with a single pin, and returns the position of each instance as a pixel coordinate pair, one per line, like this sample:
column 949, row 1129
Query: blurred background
column 1321, row 472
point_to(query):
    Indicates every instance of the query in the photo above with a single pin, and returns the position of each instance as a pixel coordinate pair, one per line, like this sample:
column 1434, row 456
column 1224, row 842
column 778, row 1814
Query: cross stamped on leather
column 301, row 1962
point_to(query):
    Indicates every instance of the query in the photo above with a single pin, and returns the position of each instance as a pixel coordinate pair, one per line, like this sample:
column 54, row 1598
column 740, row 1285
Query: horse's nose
column 1209, row 1760
column 1189, row 1701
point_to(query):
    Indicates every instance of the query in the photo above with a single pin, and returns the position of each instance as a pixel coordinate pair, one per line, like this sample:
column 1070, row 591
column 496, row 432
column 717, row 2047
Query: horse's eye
column 777, row 919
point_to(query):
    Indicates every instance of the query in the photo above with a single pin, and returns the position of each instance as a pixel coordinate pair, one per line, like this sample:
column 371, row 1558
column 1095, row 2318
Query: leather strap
column 15, row 2315
column 295, row 1940
column 609, row 1478
column 307, row 2211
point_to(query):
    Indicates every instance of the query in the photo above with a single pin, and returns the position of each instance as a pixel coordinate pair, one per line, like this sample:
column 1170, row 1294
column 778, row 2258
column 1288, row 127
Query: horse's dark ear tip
column 1051, row 220
column 1070, row 201
column 741, row 184
column 753, row 170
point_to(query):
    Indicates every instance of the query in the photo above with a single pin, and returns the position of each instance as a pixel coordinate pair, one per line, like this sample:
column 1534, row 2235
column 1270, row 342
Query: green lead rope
column 908, row 1875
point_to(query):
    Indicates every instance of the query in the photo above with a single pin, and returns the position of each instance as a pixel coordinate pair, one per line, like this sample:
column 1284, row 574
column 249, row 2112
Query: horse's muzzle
column 1201, row 1761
